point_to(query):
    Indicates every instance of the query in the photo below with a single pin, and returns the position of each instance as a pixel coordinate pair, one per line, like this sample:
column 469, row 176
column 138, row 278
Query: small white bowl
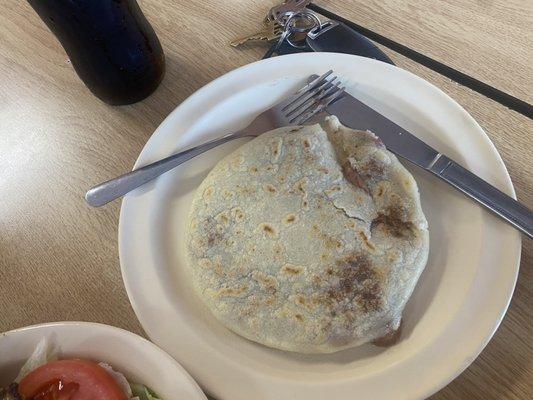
column 138, row 359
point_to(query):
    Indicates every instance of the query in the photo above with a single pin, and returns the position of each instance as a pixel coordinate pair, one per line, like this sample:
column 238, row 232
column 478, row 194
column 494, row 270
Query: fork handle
column 113, row 189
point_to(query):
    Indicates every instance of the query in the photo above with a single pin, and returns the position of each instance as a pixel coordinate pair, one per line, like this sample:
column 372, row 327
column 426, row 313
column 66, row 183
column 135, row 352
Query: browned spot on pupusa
column 270, row 301
column 275, row 149
column 306, row 143
column 359, row 200
column 289, row 219
column 269, row 230
column 205, row 263
column 208, row 193
column 227, row 194
column 237, row 162
column 245, row 190
column 240, row 269
column 366, row 241
column 270, row 189
column 394, row 256
column 310, row 159
column 194, row 224
column 200, row 243
column 290, row 269
column 267, row 282
column 213, row 231
column 324, row 170
column 233, row 291
column 223, row 218
column 356, row 280
column 254, row 170
column 299, row 317
column 237, row 214
column 218, row 268
column 331, row 242
column 394, row 221
column 301, row 186
column 299, row 128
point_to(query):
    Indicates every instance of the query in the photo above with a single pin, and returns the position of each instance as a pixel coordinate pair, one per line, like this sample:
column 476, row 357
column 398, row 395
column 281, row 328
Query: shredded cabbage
column 141, row 392
column 44, row 353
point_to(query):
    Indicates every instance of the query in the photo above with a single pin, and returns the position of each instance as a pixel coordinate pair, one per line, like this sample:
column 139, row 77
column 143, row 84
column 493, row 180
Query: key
column 271, row 31
column 276, row 46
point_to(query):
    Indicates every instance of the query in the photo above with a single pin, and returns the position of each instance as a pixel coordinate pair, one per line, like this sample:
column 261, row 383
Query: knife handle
column 336, row 37
column 496, row 201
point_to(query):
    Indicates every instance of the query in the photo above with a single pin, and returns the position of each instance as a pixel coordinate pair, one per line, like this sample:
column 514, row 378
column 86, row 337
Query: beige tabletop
column 58, row 257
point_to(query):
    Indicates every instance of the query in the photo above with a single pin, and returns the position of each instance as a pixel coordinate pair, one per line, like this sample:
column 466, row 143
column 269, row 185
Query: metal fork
column 297, row 109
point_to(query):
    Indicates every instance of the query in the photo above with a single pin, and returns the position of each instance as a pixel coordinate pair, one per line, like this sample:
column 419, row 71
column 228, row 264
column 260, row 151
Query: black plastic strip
column 491, row 92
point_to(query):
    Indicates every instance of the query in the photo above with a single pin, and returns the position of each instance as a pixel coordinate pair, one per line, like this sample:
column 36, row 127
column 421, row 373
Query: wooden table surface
column 58, row 257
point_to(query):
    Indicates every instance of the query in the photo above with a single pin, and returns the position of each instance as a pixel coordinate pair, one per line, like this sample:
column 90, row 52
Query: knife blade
column 355, row 114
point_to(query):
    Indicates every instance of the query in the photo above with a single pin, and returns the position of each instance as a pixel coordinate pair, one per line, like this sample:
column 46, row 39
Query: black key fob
column 286, row 48
column 336, row 37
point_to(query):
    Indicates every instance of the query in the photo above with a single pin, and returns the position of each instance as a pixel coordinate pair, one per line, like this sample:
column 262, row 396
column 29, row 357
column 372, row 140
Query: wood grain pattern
column 58, row 257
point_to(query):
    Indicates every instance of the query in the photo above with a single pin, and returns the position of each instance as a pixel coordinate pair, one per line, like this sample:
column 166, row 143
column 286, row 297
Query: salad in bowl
column 87, row 361
column 46, row 377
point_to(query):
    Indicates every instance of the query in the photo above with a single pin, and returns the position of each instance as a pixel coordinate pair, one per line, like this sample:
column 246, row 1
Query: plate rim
column 502, row 170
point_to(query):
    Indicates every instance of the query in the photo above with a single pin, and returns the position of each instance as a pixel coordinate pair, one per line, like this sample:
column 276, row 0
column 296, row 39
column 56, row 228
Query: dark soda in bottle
column 111, row 45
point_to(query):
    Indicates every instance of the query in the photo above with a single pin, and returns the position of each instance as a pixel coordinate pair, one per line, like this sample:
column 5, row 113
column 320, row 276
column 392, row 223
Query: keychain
column 296, row 29
column 303, row 31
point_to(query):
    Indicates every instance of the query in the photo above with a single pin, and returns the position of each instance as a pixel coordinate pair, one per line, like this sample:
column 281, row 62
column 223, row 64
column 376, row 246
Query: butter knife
column 357, row 115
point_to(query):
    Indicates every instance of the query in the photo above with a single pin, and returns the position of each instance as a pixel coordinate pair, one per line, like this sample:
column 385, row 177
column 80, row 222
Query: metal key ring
column 286, row 9
column 290, row 25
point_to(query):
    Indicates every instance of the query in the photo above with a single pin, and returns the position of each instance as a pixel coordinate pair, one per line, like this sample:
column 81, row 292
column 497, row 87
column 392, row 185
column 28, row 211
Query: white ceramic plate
column 457, row 305
column 135, row 357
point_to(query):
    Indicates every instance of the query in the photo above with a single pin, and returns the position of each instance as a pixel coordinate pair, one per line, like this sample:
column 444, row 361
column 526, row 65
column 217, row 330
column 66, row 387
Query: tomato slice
column 56, row 390
column 93, row 382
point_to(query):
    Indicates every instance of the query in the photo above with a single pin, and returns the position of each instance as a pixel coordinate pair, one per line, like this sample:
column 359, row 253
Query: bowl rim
column 109, row 328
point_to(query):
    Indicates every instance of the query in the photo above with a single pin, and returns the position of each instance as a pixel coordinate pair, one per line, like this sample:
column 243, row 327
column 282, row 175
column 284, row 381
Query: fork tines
column 312, row 98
